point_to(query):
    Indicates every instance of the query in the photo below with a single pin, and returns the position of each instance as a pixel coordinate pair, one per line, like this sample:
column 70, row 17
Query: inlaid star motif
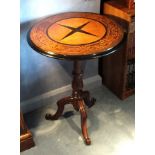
column 77, row 29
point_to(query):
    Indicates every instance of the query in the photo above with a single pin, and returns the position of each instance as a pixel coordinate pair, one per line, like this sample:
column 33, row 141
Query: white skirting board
column 39, row 101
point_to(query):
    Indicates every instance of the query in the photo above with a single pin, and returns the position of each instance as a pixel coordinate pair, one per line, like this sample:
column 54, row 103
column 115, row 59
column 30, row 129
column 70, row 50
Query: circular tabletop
column 76, row 35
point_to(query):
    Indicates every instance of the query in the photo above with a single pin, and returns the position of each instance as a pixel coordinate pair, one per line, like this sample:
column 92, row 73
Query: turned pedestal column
column 78, row 99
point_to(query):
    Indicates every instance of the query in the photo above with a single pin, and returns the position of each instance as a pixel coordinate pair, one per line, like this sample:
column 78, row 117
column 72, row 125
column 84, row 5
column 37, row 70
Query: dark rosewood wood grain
column 78, row 99
column 26, row 139
column 83, row 121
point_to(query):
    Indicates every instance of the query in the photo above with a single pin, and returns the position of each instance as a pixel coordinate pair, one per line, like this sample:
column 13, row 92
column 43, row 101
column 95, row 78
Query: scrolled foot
column 87, row 141
column 83, row 122
column 48, row 116
column 61, row 103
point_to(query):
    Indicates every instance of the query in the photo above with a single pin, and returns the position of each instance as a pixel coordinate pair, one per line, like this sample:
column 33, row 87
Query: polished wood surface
column 76, row 31
column 26, row 139
column 79, row 99
column 112, row 7
column 75, row 35
column 130, row 4
column 114, row 68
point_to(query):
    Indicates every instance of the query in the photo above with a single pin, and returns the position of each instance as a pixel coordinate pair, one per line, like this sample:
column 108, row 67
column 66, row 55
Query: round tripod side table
column 76, row 36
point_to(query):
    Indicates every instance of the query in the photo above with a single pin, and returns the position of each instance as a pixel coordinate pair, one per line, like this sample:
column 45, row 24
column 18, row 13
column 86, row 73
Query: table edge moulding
column 85, row 47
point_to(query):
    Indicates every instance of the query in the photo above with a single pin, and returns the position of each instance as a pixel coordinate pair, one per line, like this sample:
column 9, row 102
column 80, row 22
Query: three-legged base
column 78, row 99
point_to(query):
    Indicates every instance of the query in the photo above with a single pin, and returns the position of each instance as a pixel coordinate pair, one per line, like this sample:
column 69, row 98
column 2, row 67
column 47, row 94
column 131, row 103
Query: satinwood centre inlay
column 76, row 31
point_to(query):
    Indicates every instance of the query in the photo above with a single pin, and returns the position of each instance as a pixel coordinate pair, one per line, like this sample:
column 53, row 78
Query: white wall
column 32, row 9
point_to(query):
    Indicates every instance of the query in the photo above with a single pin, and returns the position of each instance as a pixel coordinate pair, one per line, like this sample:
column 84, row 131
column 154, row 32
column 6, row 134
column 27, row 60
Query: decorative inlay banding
column 75, row 34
